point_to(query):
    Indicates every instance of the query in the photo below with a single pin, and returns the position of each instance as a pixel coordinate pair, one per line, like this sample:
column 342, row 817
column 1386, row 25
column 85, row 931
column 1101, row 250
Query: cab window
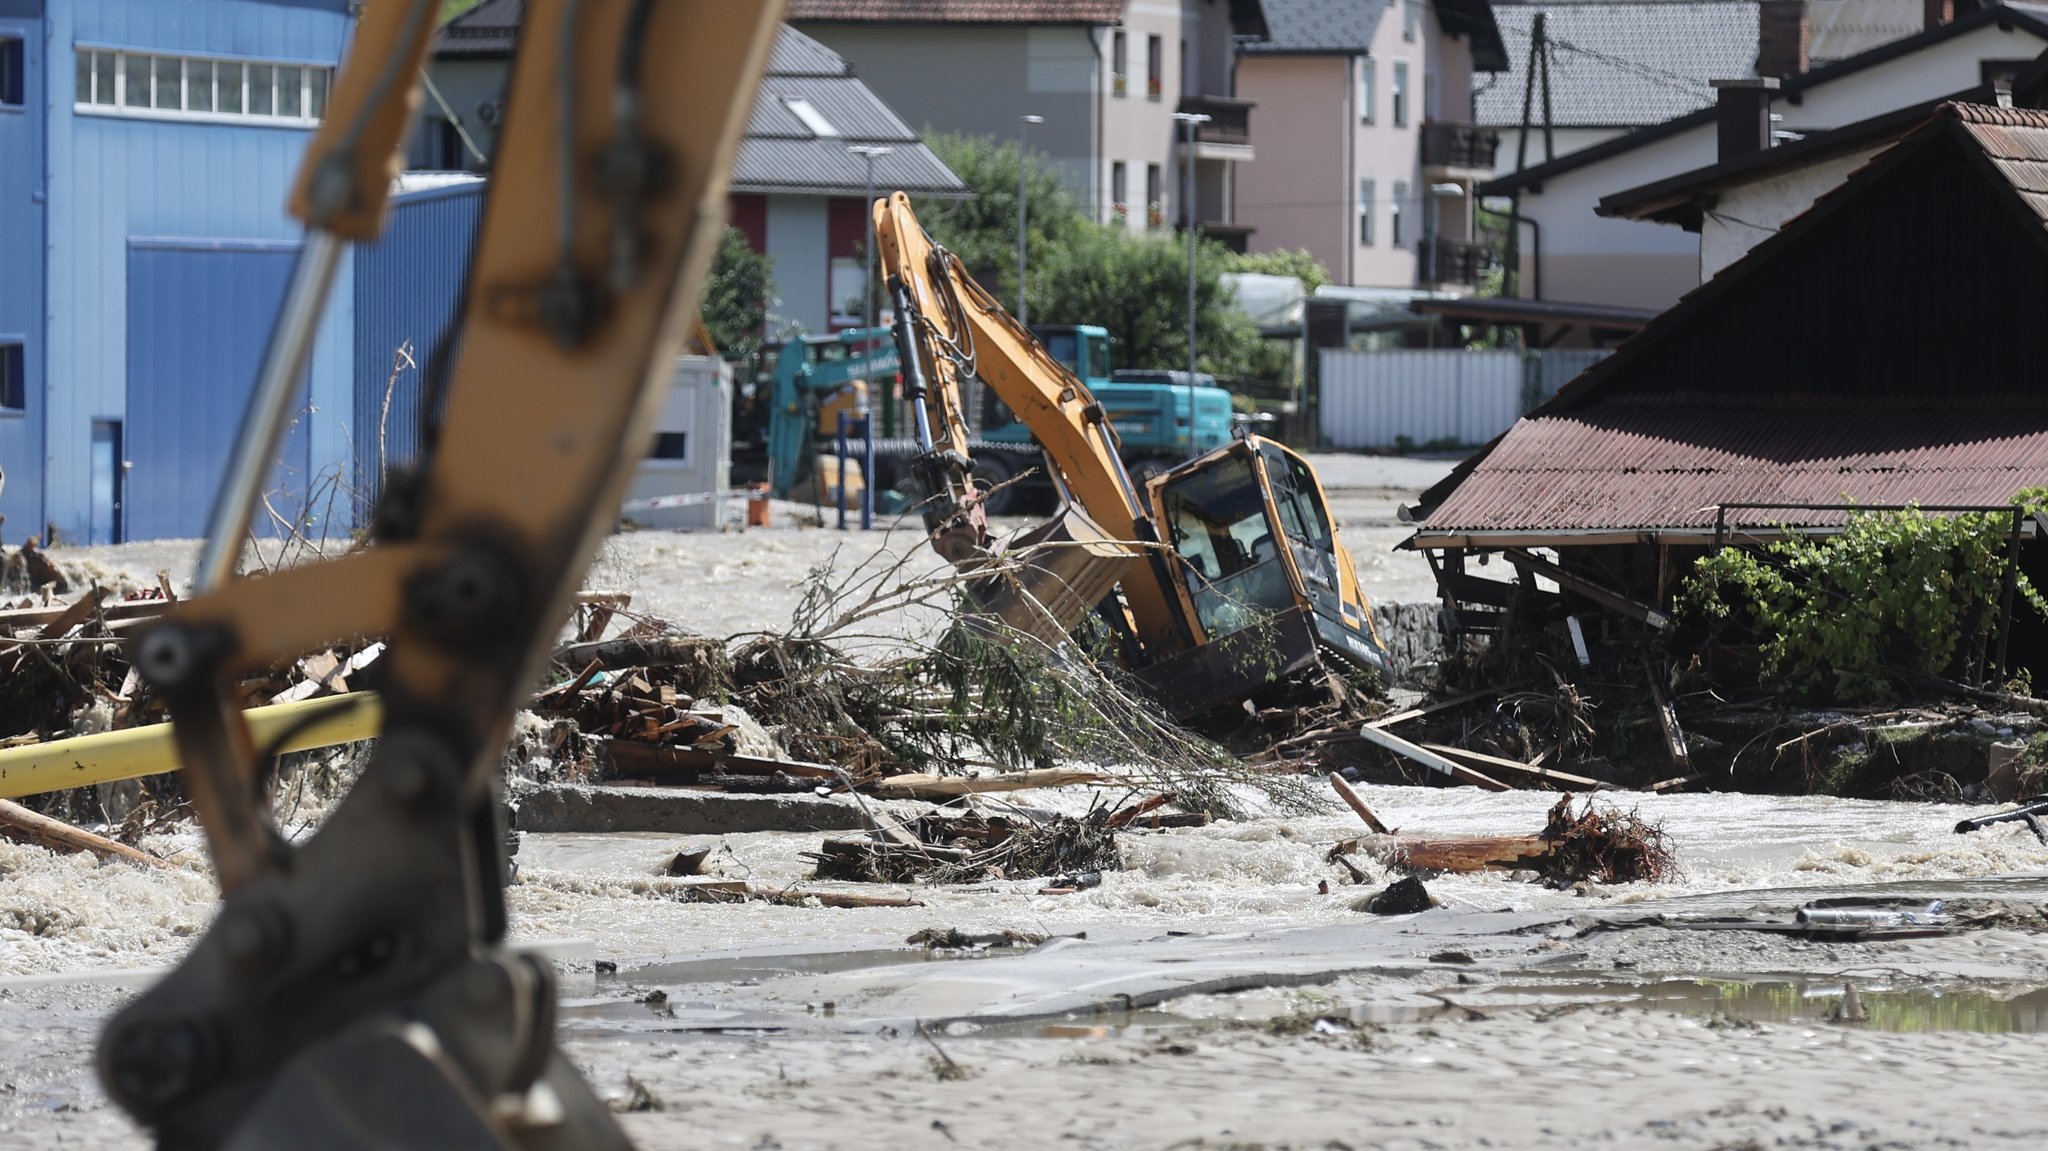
column 1219, row 527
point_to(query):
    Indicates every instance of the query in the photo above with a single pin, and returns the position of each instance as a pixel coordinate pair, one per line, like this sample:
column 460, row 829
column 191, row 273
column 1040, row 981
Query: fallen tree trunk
column 1461, row 854
column 18, row 822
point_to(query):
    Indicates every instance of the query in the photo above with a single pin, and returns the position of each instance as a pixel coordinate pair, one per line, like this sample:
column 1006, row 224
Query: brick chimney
column 1935, row 13
column 1743, row 114
column 1783, row 37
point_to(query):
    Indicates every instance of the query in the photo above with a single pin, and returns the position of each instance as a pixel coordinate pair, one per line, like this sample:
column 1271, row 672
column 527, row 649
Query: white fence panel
column 1374, row 399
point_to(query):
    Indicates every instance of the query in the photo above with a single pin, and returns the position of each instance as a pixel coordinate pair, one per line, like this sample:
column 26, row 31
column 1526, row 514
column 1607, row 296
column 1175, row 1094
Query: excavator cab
column 1255, row 547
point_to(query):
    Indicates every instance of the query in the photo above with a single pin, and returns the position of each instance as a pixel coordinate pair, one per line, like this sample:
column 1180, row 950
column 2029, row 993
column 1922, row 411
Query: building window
column 1394, row 234
column 1155, row 67
column 845, row 284
column 671, row 446
column 1119, row 63
column 13, row 73
column 1365, row 194
column 1400, row 93
column 13, row 378
column 116, row 83
column 1155, row 208
column 1119, row 192
column 1368, row 89
column 1411, row 15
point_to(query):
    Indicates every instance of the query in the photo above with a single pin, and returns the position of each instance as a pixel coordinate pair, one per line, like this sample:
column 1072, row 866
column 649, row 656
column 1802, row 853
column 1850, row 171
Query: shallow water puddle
column 1994, row 1010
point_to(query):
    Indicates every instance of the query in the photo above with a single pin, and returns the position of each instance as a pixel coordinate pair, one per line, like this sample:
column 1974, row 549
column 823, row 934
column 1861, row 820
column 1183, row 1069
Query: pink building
column 1367, row 151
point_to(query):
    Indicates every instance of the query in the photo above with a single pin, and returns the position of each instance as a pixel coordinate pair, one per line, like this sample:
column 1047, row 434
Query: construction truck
column 355, row 991
column 1220, row 580
column 1162, row 418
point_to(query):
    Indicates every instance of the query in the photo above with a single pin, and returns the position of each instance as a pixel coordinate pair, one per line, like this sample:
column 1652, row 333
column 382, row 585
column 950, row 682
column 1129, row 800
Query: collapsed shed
column 1882, row 349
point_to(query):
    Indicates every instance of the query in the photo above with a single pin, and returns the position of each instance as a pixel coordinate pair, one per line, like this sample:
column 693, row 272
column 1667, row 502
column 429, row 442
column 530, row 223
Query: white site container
column 682, row 482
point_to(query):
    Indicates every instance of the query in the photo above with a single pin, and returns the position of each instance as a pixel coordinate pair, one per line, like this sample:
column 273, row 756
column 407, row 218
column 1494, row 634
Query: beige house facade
column 1368, row 152
column 1105, row 77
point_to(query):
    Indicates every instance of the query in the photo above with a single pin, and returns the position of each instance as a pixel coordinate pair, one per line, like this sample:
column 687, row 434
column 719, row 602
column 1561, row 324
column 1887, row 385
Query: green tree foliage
column 737, row 295
column 1136, row 287
column 1296, row 262
column 982, row 230
column 1893, row 596
column 1082, row 272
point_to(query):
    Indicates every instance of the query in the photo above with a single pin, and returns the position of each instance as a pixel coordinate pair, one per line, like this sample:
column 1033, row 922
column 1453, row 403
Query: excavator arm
column 951, row 332
column 355, row 991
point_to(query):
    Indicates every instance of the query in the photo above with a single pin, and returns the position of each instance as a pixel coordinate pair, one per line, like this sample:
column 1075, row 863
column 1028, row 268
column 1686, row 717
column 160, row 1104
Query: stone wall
column 1410, row 632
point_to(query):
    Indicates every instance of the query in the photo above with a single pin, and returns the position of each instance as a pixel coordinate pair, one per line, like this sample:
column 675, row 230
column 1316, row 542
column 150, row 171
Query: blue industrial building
column 146, row 151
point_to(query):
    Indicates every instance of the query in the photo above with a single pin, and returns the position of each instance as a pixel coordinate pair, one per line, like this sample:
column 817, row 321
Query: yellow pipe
column 138, row 751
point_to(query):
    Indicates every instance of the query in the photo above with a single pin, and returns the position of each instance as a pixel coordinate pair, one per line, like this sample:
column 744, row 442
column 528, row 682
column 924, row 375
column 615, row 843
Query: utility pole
column 1023, row 123
column 870, row 153
column 1187, row 216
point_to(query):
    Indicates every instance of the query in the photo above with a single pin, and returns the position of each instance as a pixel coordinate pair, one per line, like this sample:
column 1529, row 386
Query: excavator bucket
column 1049, row 578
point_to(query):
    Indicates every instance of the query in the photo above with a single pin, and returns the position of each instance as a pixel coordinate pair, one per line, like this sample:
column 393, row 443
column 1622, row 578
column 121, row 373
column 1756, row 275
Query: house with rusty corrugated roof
column 1884, row 348
column 797, row 185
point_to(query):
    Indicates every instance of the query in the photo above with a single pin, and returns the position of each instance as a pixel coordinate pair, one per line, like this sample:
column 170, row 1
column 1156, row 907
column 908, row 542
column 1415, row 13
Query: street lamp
column 1023, row 122
column 1187, row 216
column 869, row 152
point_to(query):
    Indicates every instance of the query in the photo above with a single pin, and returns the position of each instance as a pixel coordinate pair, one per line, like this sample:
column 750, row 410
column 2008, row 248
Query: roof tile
column 1622, row 62
column 1306, row 26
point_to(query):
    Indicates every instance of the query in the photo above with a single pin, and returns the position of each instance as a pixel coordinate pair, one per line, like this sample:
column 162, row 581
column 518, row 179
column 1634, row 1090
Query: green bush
column 1893, row 596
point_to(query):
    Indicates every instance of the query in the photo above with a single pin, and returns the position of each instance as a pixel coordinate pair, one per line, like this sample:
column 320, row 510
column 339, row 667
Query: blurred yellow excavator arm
column 355, row 991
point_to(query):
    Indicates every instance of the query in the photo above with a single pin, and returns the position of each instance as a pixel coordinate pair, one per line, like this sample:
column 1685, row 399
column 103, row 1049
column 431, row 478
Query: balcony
column 1228, row 134
column 1235, row 237
column 1440, row 260
column 1460, row 149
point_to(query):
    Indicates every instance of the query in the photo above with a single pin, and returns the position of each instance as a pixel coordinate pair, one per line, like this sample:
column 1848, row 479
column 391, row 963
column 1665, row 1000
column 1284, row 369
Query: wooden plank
column 120, row 609
column 74, row 615
column 18, row 822
column 1431, row 760
column 1675, row 784
column 1611, row 600
column 918, row 786
column 1430, row 708
column 1549, row 773
column 658, row 760
column 1667, row 717
column 1356, row 804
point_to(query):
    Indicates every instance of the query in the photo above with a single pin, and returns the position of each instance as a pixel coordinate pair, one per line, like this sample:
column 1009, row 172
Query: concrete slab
column 679, row 811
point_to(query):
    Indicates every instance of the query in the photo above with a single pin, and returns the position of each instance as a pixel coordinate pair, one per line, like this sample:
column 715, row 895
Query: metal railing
column 1230, row 119
column 1447, row 261
column 1451, row 145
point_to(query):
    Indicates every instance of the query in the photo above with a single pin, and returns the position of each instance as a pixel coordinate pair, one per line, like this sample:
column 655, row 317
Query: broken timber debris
column 1597, row 843
column 1430, row 759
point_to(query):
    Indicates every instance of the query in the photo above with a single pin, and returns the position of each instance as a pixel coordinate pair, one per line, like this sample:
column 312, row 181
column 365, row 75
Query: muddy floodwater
column 1212, row 994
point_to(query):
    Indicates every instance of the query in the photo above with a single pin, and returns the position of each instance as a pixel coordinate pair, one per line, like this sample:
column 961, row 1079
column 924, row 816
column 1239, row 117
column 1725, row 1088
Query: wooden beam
column 1548, row 773
column 1611, row 600
column 1667, row 717
column 948, row 786
column 1356, row 804
column 1386, row 721
column 1431, row 760
column 18, row 822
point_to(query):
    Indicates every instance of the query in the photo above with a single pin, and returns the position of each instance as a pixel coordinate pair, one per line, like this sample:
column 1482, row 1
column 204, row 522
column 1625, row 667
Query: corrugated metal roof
column 958, row 11
column 1307, row 26
column 1621, row 62
column 1628, row 467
